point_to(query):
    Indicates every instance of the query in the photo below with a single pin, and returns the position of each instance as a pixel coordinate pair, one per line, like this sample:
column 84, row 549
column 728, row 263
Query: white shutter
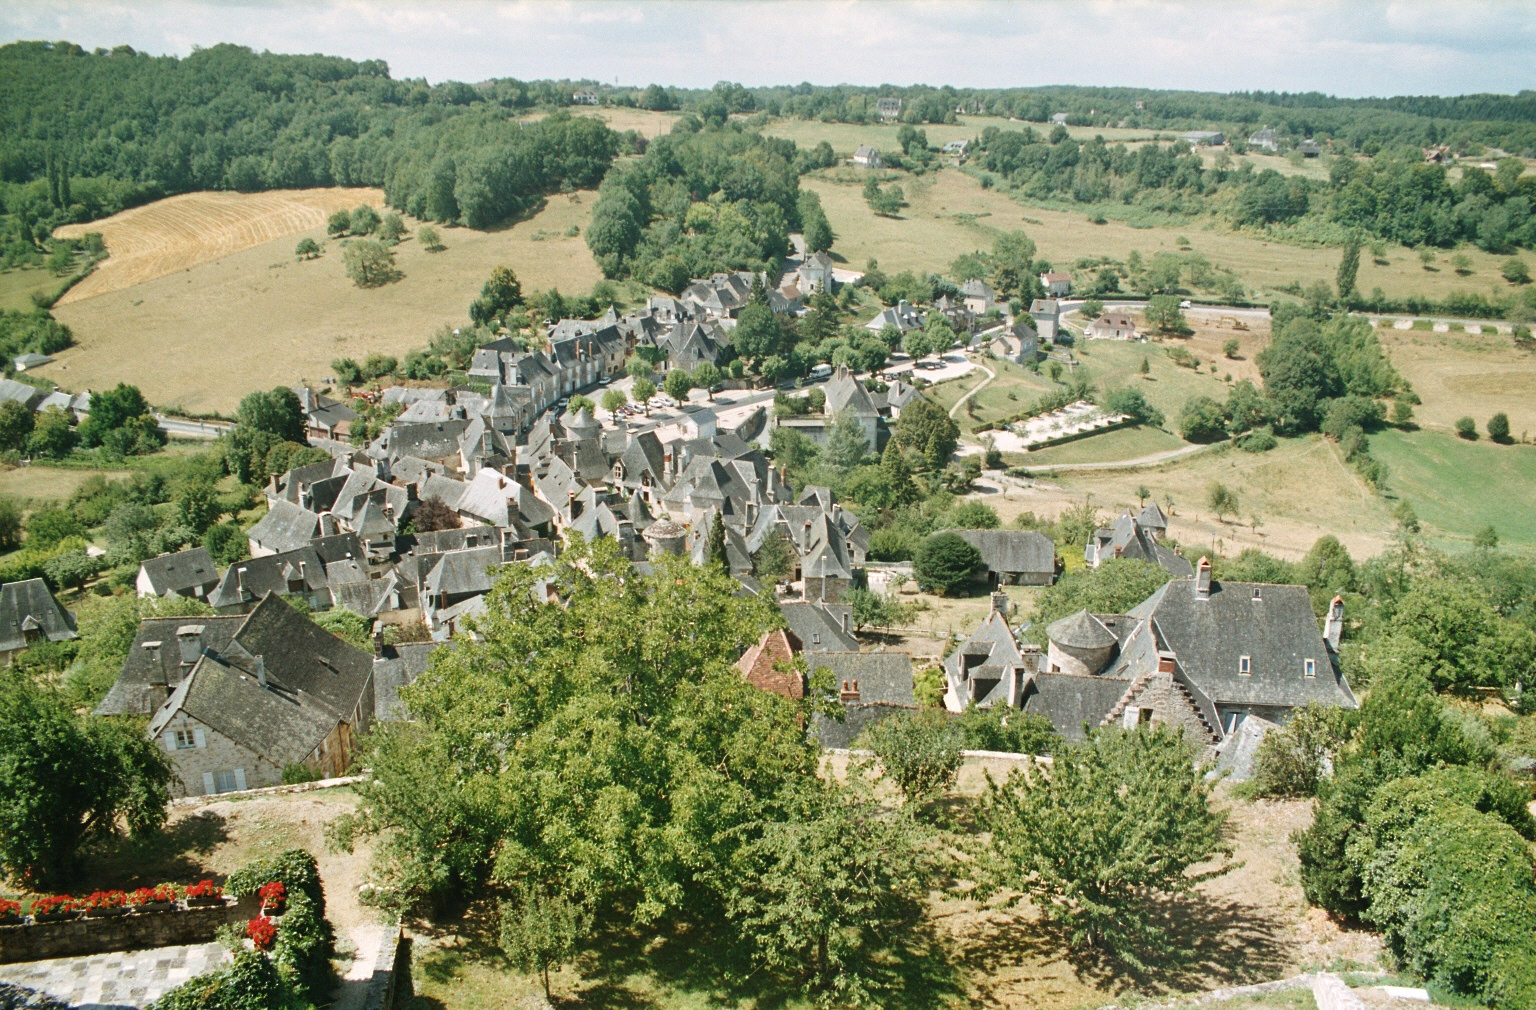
column 239, row 778
column 197, row 737
column 170, row 740
column 1132, row 718
column 208, row 788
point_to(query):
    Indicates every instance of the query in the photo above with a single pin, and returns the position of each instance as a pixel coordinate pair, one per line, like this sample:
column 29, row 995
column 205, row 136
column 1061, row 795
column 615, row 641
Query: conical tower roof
column 1080, row 631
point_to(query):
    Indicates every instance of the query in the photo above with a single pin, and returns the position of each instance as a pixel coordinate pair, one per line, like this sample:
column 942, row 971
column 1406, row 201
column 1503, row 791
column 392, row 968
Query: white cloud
column 1374, row 47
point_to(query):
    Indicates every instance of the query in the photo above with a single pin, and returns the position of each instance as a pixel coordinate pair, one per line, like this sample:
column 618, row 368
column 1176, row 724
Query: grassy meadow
column 1457, row 487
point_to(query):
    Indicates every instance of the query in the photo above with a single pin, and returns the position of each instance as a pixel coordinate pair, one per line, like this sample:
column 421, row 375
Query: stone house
column 888, row 108
column 30, row 615
column 277, row 692
column 1116, row 324
column 1056, row 284
column 979, row 296
column 186, row 573
column 1136, row 537
column 1046, row 312
column 1013, row 557
column 867, row 157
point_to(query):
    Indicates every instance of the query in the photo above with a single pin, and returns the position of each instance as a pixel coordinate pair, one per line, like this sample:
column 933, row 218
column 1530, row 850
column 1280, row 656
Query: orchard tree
column 1096, row 839
column 66, row 779
column 370, row 263
column 364, row 220
column 430, row 240
column 307, row 249
column 919, row 752
column 542, row 931
column 1221, row 500
column 338, row 224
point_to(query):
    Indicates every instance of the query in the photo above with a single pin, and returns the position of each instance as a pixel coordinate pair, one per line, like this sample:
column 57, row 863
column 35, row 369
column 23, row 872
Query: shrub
column 1498, row 427
column 1466, row 428
column 1202, row 420
column 918, row 751
column 1515, row 271
column 945, row 562
column 1290, row 759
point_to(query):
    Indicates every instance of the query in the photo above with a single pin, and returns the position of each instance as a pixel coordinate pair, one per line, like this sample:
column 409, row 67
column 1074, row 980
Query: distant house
column 285, row 527
column 1136, row 537
column 20, row 392
column 584, row 98
column 323, row 416
column 1203, row 138
column 901, row 315
column 30, row 615
column 186, row 573
column 312, row 571
column 1057, row 285
column 815, row 273
column 1046, row 312
column 867, row 157
column 1059, row 118
column 979, row 297
column 1013, row 557
column 26, row 361
column 1265, row 140
column 1114, row 325
column 1309, row 148
column 279, row 692
column 889, row 108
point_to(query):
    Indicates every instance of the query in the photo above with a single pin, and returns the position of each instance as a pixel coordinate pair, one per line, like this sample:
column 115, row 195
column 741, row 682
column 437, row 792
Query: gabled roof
column 180, row 572
column 885, row 678
column 1276, row 629
column 274, row 573
column 1070, row 700
column 284, row 727
column 846, row 393
column 398, row 667
column 154, row 665
column 285, row 527
column 29, row 605
column 819, row 626
column 1013, row 550
column 462, row 572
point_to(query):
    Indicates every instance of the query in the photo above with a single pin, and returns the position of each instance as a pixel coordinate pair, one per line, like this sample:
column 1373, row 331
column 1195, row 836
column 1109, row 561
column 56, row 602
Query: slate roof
column 497, row 499
column 1081, row 630
column 285, row 527
column 431, row 440
column 1136, row 542
column 846, row 393
column 181, row 572
column 819, row 626
column 463, row 572
column 975, row 670
column 399, row 665
column 150, row 669
column 1013, row 550
column 29, row 605
column 885, row 678
column 22, row 393
column 1278, row 630
column 1069, row 700
column 310, row 564
column 314, row 679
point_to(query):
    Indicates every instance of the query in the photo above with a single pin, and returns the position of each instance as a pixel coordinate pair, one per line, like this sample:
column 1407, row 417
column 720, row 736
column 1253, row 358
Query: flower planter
column 11, row 920
column 106, row 913
column 56, row 916
column 205, row 901
column 154, row 906
column 275, row 910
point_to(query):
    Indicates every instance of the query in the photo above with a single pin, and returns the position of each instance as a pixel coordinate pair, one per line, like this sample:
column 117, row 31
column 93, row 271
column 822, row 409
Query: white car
column 1186, row 304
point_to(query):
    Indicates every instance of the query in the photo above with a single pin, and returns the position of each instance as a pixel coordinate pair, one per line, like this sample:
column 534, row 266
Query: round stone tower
column 665, row 537
column 1080, row 643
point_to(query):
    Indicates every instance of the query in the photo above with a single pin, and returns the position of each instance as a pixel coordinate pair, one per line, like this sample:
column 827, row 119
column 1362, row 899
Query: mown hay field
column 204, row 336
column 183, row 231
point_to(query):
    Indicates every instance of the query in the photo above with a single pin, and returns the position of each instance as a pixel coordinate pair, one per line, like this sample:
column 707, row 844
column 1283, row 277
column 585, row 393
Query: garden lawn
column 1459, row 487
column 1120, row 444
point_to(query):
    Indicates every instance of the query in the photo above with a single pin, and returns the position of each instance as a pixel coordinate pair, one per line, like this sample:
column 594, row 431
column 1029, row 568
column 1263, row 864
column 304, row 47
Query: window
column 224, row 782
column 185, row 740
column 1256, row 593
column 1309, row 667
column 1245, row 664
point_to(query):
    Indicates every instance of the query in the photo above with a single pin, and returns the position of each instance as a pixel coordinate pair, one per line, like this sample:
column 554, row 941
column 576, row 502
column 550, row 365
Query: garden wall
column 35, row 941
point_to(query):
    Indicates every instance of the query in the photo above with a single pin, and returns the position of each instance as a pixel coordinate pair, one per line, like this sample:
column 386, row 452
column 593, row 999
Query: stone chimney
column 240, row 582
column 1333, row 630
column 849, row 693
column 190, row 638
column 382, row 470
column 1203, row 579
column 152, row 651
column 304, row 572
column 261, row 671
column 1165, row 661
column 327, row 524
column 847, row 622
column 1000, row 602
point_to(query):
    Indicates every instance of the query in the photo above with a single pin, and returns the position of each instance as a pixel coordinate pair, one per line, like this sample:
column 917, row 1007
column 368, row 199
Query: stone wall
column 74, row 937
column 218, row 754
column 391, row 987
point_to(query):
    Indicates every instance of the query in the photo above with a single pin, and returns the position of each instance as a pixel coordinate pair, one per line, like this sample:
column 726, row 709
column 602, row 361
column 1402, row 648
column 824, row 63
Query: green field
column 1122, row 443
column 1459, row 487
column 16, row 287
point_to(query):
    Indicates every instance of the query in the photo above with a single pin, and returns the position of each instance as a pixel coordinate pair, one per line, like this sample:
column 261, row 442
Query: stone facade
column 828, row 590
column 197, row 770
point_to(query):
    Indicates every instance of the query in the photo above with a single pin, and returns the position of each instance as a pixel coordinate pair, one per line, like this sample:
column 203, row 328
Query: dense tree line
column 88, row 133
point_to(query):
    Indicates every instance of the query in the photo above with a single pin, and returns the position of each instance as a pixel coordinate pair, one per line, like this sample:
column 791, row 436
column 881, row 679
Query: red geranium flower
column 205, row 889
column 8, row 907
column 104, row 899
column 273, row 893
column 262, row 931
column 53, row 903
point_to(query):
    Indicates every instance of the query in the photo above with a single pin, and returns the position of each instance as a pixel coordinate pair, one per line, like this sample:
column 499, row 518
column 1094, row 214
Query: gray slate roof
column 285, row 527
column 1081, row 630
column 1069, row 700
column 29, row 606
column 399, row 666
column 819, row 626
column 1013, row 550
column 180, row 572
column 154, row 662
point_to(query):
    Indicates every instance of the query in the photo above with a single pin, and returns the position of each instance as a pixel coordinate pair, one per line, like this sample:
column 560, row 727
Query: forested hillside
column 85, row 134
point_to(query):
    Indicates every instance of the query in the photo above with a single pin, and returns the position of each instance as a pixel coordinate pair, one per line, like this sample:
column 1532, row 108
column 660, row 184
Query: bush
column 1202, row 420
column 944, row 563
column 305, row 941
column 1466, row 428
column 1007, row 730
column 1515, row 271
column 1291, row 759
column 1498, row 427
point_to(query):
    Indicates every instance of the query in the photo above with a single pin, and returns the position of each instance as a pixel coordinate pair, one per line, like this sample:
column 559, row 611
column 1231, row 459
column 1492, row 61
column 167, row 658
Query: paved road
column 180, row 428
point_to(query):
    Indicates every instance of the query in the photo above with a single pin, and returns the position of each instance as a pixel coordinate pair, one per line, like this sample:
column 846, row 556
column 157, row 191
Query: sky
column 1350, row 49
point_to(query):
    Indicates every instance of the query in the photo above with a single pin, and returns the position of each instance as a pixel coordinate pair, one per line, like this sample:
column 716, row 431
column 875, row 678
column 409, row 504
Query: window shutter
column 208, row 788
column 239, row 778
column 197, row 737
column 170, row 739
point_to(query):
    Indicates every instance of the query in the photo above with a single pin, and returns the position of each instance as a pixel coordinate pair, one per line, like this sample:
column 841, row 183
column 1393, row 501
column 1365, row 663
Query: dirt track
column 183, row 231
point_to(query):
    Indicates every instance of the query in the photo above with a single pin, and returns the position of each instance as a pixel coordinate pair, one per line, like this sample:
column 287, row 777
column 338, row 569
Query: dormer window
column 1309, row 667
column 1256, row 594
column 1245, row 665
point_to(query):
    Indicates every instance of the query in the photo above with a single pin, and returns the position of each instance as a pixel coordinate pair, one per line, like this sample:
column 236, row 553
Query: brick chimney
column 1333, row 630
column 849, row 694
column 1165, row 661
column 1203, row 579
